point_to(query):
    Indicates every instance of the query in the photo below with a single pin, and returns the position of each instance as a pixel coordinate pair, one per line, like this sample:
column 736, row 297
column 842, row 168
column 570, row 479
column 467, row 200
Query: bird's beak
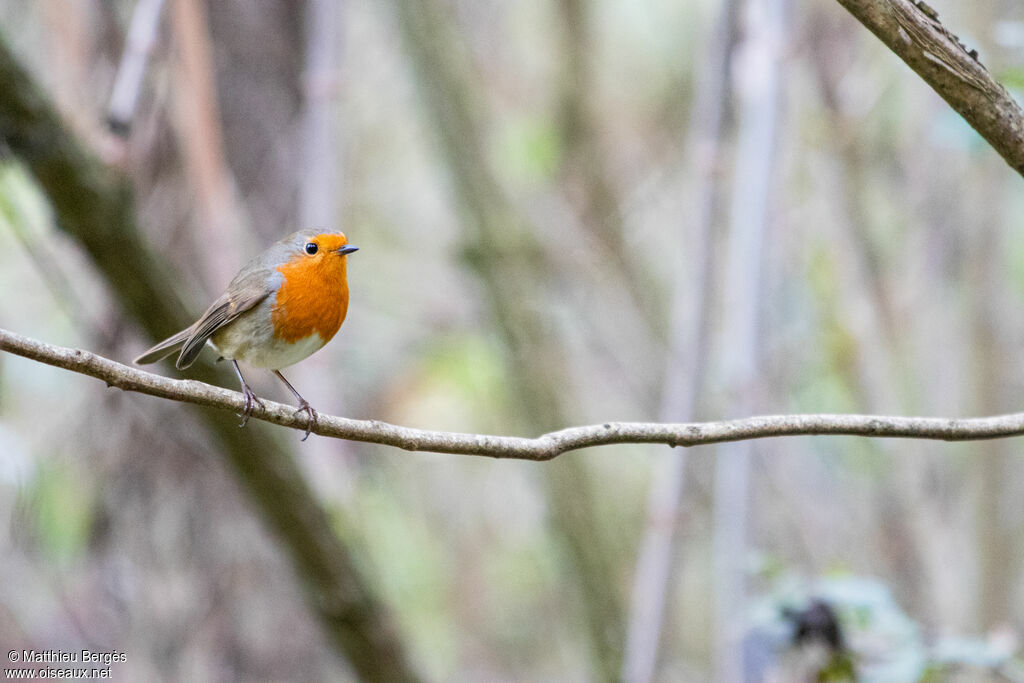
column 348, row 249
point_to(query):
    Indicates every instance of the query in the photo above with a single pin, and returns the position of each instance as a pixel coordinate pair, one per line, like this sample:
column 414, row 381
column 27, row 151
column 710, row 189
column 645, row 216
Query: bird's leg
column 251, row 399
column 304, row 406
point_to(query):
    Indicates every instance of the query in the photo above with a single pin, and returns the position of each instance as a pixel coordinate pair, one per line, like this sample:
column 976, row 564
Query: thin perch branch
column 544, row 447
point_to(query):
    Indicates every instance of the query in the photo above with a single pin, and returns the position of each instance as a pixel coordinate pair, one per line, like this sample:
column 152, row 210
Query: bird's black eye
column 311, row 248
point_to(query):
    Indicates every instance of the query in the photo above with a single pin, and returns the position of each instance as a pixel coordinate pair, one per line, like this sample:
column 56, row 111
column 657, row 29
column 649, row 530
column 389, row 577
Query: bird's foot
column 304, row 407
column 251, row 401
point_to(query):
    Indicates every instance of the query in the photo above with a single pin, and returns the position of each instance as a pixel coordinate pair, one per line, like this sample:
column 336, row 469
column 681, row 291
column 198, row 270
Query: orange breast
column 313, row 298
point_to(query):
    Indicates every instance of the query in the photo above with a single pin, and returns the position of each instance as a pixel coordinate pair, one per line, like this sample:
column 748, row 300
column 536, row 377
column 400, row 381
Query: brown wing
column 240, row 297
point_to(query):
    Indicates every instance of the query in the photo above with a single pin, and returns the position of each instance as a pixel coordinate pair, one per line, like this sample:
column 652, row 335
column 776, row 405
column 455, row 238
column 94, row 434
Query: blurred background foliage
column 525, row 182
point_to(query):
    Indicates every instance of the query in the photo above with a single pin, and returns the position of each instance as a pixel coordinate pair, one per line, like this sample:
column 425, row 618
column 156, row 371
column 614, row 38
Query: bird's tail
column 165, row 348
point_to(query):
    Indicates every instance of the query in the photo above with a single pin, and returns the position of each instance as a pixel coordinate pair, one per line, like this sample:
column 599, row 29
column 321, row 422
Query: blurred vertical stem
column 201, row 139
column 878, row 376
column 513, row 269
column 687, row 355
column 321, row 186
column 758, row 89
column 13, row 189
column 997, row 522
column 142, row 34
column 68, row 43
column 93, row 204
column 259, row 64
column 584, row 166
column 869, row 316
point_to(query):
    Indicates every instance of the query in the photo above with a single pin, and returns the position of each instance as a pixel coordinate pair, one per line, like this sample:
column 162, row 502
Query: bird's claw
column 251, row 401
column 304, row 407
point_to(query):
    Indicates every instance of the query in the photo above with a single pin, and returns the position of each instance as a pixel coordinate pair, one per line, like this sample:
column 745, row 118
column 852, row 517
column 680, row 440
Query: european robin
column 281, row 307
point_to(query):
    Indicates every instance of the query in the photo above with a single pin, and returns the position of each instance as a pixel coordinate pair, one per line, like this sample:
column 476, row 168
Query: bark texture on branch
column 544, row 447
column 914, row 32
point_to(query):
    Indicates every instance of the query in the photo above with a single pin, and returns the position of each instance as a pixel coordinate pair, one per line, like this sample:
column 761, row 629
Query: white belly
column 253, row 342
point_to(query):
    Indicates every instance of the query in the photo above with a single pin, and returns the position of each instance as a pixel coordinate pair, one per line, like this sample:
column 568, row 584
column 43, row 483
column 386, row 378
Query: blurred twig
column 39, row 251
column 866, row 300
column 997, row 475
column 128, row 84
column 584, row 165
column 874, row 363
column 259, row 77
column 93, row 204
column 544, row 447
column 202, row 140
column 914, row 32
column 68, row 44
column 321, row 186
